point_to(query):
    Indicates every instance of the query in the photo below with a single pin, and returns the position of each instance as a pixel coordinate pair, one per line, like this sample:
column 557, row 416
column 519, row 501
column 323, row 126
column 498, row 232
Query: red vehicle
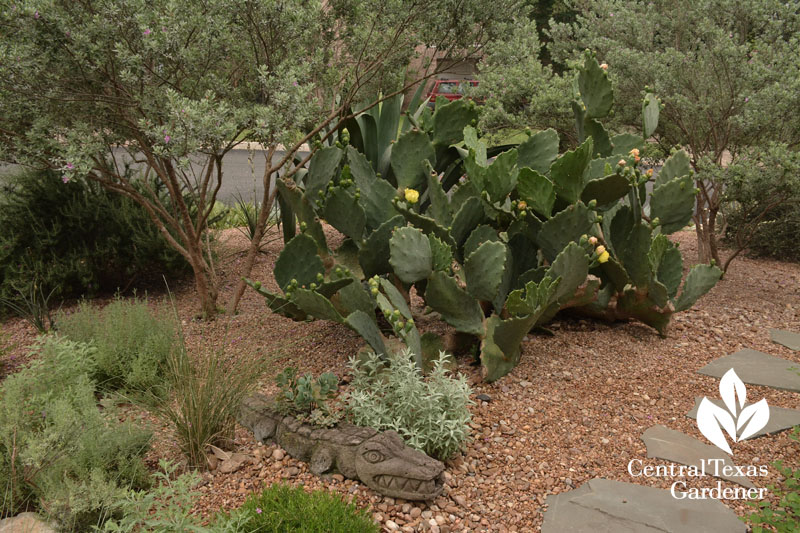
column 450, row 89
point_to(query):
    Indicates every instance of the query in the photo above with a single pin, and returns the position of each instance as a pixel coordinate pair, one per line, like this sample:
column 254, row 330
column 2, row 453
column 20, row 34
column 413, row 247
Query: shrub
column 58, row 451
column 762, row 203
column 132, row 342
column 431, row 414
column 785, row 516
column 75, row 238
column 281, row 508
column 207, row 391
column 165, row 509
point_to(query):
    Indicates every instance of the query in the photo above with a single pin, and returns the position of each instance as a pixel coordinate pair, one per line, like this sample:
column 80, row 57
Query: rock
column 292, row 471
column 525, row 384
column 787, row 338
column 483, row 397
column 415, row 512
column 338, row 477
column 278, row 454
column 603, row 505
column 756, row 368
column 391, row 525
column 671, row 445
column 780, row 419
column 377, row 517
column 25, row 523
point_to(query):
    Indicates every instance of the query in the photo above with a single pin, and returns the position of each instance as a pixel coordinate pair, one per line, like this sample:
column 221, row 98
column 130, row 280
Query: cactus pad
column 298, row 261
column 410, row 254
column 456, row 307
column 484, row 269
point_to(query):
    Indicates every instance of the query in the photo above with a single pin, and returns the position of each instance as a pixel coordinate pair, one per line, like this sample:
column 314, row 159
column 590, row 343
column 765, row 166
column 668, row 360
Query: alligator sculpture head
column 385, row 464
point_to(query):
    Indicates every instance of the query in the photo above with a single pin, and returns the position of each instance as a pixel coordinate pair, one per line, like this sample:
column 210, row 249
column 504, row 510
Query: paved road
column 242, row 175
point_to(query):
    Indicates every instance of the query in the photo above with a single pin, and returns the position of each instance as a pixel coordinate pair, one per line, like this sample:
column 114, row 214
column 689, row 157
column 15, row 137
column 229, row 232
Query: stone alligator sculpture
column 380, row 460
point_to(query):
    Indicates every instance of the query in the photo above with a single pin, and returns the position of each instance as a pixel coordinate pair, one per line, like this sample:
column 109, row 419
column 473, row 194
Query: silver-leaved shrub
column 430, row 412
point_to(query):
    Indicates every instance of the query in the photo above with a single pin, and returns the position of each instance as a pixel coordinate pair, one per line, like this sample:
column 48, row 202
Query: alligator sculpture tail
column 380, row 460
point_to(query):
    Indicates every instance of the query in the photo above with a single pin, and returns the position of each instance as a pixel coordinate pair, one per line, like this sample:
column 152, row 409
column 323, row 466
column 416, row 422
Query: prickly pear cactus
column 495, row 240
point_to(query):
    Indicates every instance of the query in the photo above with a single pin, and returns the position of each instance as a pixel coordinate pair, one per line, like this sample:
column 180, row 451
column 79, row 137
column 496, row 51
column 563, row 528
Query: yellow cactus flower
column 600, row 250
column 412, row 196
column 602, row 258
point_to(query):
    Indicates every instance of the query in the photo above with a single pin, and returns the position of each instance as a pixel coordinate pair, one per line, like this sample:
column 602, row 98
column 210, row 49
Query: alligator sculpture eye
column 373, row 456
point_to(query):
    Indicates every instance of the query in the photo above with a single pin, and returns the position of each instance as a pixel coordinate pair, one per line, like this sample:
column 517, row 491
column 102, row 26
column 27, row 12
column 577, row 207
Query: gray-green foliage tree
column 727, row 74
column 520, row 91
column 172, row 86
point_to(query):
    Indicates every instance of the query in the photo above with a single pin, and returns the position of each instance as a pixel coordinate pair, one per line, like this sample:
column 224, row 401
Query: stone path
column 790, row 339
column 674, row 446
column 780, row 419
column 757, row 368
column 605, row 506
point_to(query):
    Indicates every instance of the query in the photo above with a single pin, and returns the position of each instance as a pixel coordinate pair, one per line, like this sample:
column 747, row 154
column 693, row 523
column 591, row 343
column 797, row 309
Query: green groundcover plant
column 283, row 509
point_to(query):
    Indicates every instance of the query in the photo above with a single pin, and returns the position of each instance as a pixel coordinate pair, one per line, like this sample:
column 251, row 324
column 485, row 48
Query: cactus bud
column 410, row 323
column 339, row 145
column 656, row 222
column 312, row 286
column 387, row 314
column 357, row 196
column 583, row 240
column 401, row 325
column 293, row 282
column 600, row 249
column 257, row 285
column 649, row 173
column 599, row 219
column 345, row 136
column 621, row 163
column 593, row 241
column 396, row 313
column 634, row 152
column 592, row 203
column 604, row 66
column 374, row 291
column 523, row 214
column 320, row 277
column 522, row 205
column 303, row 227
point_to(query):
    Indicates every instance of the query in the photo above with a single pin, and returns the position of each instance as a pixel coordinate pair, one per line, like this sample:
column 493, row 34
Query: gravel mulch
column 574, row 408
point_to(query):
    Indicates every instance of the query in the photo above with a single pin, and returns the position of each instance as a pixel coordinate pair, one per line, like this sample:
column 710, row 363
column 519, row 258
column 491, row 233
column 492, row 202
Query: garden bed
column 572, row 410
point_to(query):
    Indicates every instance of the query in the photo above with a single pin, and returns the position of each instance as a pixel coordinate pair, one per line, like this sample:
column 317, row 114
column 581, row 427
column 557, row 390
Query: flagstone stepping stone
column 606, row 506
column 677, row 447
column 780, row 419
column 757, row 368
column 790, row 339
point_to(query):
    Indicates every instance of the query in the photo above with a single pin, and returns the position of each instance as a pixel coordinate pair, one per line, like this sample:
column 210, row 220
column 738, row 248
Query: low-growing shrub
column 132, row 342
column 166, row 508
column 283, row 509
column 430, row 413
column 207, row 390
column 785, row 516
column 75, row 238
column 59, row 453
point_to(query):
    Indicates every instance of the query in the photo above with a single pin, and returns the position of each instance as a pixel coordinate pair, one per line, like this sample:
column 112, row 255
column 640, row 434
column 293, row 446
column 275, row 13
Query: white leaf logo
column 740, row 421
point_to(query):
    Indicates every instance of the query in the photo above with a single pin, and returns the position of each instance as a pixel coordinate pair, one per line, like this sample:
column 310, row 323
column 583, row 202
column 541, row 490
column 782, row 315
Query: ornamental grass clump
column 431, row 413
